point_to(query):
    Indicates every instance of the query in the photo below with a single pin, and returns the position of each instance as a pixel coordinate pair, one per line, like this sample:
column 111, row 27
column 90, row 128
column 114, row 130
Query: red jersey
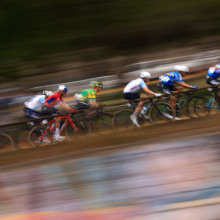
column 52, row 100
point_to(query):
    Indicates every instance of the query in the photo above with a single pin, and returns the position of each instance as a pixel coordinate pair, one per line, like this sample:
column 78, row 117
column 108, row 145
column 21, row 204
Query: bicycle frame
column 208, row 104
column 66, row 122
column 214, row 97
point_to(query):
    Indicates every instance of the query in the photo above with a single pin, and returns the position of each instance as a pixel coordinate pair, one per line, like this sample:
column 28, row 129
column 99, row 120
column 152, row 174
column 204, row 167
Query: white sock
column 57, row 132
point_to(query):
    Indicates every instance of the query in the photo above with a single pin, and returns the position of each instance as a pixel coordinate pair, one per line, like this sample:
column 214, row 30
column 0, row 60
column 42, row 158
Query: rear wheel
column 6, row 143
column 40, row 136
column 190, row 110
column 161, row 113
column 200, row 107
column 121, row 119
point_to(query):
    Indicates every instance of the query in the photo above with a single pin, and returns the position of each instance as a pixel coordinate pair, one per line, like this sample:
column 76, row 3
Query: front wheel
column 6, row 143
column 81, row 129
column 161, row 113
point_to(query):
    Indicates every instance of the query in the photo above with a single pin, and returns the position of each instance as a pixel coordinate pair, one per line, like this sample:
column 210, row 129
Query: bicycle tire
column 6, row 143
column 121, row 119
column 165, row 114
column 190, row 110
column 83, row 130
column 35, row 133
column 200, row 107
column 102, row 123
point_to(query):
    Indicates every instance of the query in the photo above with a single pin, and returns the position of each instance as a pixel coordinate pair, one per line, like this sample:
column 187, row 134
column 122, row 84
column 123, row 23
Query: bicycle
column 185, row 104
column 154, row 111
column 73, row 127
column 6, row 142
column 100, row 121
column 207, row 104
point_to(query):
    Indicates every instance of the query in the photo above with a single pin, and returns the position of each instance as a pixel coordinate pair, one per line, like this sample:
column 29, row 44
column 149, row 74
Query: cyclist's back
column 84, row 96
column 212, row 74
column 32, row 108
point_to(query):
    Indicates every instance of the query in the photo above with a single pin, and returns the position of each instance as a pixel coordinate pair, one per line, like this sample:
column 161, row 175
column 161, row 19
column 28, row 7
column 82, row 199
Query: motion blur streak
column 157, row 181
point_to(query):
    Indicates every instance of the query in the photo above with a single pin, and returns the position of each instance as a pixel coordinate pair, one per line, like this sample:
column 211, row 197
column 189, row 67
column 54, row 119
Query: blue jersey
column 170, row 78
column 214, row 71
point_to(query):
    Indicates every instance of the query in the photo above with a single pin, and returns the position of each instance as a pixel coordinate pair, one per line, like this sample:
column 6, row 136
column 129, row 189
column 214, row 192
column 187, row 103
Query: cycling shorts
column 31, row 113
column 212, row 81
column 49, row 110
column 166, row 89
column 82, row 105
column 131, row 96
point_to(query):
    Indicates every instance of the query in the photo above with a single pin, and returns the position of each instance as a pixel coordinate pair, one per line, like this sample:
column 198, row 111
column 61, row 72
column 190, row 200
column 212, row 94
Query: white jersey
column 135, row 86
column 35, row 103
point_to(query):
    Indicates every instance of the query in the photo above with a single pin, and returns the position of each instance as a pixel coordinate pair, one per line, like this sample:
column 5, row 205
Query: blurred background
column 46, row 43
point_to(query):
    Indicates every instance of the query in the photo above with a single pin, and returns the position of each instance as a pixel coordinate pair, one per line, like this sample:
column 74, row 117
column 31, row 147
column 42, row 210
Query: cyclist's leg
column 53, row 111
column 178, row 89
column 85, row 106
column 131, row 97
column 167, row 90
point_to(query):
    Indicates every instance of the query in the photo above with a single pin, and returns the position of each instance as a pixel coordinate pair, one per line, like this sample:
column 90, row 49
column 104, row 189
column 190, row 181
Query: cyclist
column 173, row 81
column 212, row 74
column 86, row 99
column 49, row 108
column 131, row 93
column 32, row 108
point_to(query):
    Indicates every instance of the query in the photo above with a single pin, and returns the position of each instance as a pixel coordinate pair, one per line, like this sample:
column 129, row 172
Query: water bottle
column 144, row 110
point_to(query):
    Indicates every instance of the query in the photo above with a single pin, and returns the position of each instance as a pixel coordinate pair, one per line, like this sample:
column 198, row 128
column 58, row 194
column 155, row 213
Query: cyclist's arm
column 64, row 105
column 184, row 84
column 148, row 91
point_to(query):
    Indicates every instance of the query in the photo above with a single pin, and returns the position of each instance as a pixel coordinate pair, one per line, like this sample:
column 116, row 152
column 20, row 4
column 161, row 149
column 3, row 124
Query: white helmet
column 181, row 68
column 62, row 88
column 47, row 93
column 145, row 74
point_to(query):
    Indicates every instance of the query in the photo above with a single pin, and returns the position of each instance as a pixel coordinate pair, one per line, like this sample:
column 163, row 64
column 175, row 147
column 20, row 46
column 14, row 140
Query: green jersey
column 86, row 95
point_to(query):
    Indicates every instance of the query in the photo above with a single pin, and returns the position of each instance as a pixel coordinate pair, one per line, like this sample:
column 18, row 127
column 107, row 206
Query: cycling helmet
column 47, row 93
column 181, row 68
column 145, row 74
column 96, row 84
column 62, row 88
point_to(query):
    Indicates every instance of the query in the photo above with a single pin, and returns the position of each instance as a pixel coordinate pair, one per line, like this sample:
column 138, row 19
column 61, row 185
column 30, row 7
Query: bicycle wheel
column 102, row 123
column 121, row 119
column 83, row 130
column 40, row 135
column 161, row 113
column 201, row 107
column 190, row 109
column 6, row 143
